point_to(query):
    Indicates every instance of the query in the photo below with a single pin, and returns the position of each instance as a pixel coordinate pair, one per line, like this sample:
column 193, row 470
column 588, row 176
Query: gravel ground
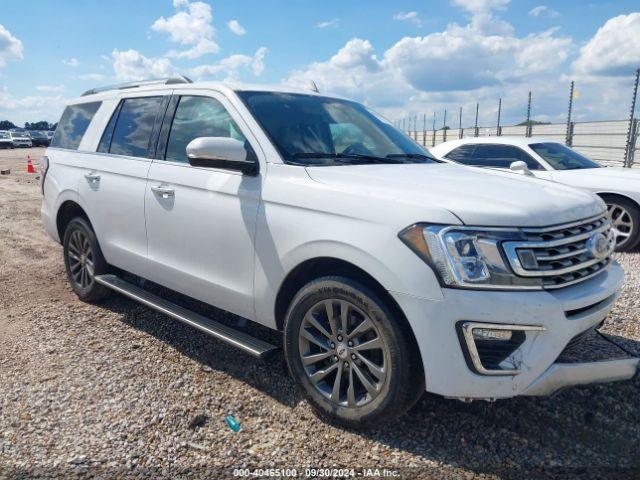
column 118, row 390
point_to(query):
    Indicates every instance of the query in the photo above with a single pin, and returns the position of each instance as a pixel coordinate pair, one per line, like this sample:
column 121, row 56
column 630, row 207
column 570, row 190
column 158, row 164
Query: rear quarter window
column 73, row 125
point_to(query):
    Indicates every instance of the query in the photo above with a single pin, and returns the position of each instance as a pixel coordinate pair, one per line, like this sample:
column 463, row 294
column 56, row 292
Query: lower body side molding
column 243, row 341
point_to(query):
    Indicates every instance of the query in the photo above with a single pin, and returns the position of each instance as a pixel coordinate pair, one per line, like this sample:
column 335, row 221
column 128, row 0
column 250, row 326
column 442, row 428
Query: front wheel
column 625, row 219
column 83, row 261
column 350, row 354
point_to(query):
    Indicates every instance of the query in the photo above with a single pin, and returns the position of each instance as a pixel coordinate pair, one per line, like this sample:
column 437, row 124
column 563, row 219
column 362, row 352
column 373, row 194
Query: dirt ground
column 118, row 390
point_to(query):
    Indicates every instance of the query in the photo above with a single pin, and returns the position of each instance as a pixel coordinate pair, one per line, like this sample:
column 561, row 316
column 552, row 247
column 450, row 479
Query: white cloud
column 30, row 108
column 333, row 23
column 72, row 62
column 614, row 50
column 10, row 47
column 408, row 17
column 236, row 28
column 190, row 26
column 543, row 10
column 51, row 88
column 230, row 68
column 460, row 65
column 92, row 76
column 481, row 6
column 132, row 65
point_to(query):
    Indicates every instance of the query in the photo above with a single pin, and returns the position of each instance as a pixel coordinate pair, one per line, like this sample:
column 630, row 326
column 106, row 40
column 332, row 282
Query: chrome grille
column 563, row 254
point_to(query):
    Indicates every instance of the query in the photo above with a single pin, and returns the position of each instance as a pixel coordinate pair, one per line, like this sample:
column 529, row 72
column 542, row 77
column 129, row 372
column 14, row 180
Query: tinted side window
column 461, row 154
column 73, row 125
column 501, row 156
column 133, row 128
column 198, row 117
column 105, row 141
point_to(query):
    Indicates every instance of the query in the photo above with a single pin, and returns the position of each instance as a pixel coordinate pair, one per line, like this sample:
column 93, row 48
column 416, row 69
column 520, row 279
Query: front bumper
column 563, row 314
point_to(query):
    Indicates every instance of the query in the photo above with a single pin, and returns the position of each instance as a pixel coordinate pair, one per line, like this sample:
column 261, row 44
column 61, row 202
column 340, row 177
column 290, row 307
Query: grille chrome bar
column 562, row 255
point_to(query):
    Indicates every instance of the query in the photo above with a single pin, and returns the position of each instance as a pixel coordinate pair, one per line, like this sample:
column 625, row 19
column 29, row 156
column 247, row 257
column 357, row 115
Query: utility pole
column 460, row 124
column 631, row 132
column 528, row 129
column 569, row 138
column 475, row 128
column 498, row 131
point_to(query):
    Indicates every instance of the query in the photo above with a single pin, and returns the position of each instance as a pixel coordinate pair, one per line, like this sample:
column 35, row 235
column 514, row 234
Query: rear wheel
column 349, row 353
column 83, row 261
column 625, row 219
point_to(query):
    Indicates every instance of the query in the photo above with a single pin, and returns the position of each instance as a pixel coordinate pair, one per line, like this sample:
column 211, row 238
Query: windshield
column 315, row 130
column 561, row 157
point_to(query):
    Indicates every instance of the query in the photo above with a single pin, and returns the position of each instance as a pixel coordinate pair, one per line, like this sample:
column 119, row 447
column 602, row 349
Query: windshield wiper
column 345, row 156
column 414, row 155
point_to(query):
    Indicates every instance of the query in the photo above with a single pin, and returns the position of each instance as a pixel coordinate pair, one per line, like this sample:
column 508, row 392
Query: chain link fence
column 611, row 143
column 604, row 141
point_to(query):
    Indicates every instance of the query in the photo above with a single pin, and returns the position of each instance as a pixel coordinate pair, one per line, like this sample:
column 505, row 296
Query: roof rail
column 144, row 83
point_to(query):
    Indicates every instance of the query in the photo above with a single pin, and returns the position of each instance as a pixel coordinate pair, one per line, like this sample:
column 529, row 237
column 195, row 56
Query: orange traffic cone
column 30, row 167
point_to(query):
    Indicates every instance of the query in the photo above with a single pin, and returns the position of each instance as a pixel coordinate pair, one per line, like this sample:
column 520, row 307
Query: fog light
column 491, row 334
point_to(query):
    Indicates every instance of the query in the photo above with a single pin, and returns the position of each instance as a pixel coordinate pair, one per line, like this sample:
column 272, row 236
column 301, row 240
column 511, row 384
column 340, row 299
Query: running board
column 243, row 341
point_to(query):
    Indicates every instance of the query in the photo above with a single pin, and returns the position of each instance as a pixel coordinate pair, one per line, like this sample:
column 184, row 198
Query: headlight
column 466, row 257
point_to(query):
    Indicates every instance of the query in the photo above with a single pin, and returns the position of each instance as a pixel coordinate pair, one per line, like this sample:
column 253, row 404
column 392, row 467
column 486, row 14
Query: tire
column 83, row 260
column 625, row 216
column 399, row 380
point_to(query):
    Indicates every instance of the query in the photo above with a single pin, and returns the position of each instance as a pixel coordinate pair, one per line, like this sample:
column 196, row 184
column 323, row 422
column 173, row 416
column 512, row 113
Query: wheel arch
column 67, row 211
column 608, row 194
column 317, row 267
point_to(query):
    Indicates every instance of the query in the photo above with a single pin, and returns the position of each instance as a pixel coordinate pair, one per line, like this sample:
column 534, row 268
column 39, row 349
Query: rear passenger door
column 201, row 221
column 114, row 180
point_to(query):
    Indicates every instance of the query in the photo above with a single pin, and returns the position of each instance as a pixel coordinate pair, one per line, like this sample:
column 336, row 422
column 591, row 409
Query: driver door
column 201, row 221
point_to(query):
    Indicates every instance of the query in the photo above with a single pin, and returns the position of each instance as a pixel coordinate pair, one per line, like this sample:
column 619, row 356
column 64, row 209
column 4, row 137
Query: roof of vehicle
column 518, row 141
column 184, row 83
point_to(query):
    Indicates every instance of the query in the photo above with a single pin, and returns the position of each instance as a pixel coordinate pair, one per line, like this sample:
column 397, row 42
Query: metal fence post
column 475, row 128
column 528, row 128
column 444, row 126
column 630, row 146
column 433, row 139
column 424, row 129
column 498, row 129
column 634, row 139
column 569, row 136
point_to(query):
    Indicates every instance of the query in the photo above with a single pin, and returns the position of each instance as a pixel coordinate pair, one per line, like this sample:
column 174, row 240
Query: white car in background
column 5, row 139
column 618, row 187
column 20, row 139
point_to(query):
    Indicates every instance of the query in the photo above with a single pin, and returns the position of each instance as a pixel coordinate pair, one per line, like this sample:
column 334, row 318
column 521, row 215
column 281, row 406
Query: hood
column 613, row 173
column 477, row 197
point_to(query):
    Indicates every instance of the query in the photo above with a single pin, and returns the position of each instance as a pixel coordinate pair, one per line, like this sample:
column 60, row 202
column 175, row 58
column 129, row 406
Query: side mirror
column 222, row 152
column 520, row 167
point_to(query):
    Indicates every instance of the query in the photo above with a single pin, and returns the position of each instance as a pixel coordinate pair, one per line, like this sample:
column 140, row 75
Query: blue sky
column 403, row 58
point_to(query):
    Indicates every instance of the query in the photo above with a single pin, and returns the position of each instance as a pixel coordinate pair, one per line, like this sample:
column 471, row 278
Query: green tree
column 6, row 125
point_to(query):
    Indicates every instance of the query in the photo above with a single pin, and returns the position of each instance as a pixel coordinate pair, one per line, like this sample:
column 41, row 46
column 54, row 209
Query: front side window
column 501, row 156
column 198, row 117
column 561, row 157
column 462, row 154
column 73, row 125
column 132, row 132
column 316, row 130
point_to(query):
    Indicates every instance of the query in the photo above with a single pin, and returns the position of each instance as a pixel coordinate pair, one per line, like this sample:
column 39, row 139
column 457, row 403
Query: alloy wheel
column 621, row 221
column 81, row 260
column 343, row 354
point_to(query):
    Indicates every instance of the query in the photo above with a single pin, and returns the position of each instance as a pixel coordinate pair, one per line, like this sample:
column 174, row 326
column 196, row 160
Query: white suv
column 387, row 272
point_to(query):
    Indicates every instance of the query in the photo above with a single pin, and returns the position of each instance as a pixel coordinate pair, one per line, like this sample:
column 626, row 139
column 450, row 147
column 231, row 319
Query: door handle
column 92, row 177
column 163, row 191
